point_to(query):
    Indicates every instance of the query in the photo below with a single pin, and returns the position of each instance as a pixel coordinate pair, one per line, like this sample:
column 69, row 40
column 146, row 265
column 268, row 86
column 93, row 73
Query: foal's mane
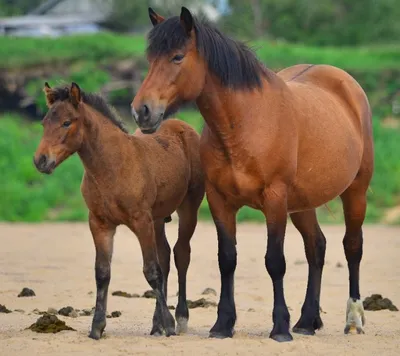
column 96, row 101
column 233, row 62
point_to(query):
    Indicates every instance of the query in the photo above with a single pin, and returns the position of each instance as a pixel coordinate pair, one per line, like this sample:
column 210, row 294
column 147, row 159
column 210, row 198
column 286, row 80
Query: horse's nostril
column 146, row 110
column 42, row 159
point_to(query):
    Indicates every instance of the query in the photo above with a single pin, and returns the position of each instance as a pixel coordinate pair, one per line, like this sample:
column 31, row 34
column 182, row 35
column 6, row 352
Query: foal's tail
column 167, row 219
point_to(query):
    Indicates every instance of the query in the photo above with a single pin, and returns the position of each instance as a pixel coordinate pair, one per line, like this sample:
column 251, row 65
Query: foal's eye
column 66, row 124
column 178, row 58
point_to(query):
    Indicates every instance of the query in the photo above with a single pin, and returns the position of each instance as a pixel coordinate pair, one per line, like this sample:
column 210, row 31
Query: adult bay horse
column 134, row 180
column 283, row 143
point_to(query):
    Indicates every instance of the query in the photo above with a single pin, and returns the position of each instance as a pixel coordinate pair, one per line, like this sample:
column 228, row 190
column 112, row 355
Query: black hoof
column 303, row 331
column 221, row 334
column 95, row 334
column 281, row 337
column 156, row 331
column 169, row 333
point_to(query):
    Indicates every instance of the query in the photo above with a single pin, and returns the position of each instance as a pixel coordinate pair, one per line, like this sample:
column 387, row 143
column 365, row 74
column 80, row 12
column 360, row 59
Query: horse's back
column 177, row 135
column 337, row 83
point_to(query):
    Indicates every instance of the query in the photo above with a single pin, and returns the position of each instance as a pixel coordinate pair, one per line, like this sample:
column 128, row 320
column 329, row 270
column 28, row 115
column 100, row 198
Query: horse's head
column 177, row 71
column 63, row 127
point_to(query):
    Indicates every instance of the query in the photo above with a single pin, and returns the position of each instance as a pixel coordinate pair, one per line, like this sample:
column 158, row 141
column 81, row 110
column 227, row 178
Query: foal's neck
column 102, row 144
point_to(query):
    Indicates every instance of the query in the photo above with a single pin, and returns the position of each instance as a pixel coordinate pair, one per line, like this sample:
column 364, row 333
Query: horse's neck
column 101, row 147
column 225, row 110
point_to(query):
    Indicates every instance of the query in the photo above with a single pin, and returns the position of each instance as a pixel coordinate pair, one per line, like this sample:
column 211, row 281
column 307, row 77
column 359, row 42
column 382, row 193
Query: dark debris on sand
column 26, row 292
column 3, row 309
column 376, row 302
column 120, row 293
column 149, row 294
column 200, row 303
column 114, row 314
column 49, row 324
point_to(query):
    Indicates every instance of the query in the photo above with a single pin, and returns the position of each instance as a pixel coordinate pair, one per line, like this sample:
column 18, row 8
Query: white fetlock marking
column 355, row 316
column 182, row 326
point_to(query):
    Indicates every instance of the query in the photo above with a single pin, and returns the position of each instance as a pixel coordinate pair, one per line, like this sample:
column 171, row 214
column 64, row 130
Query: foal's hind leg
column 142, row 225
column 314, row 244
column 164, row 256
column 187, row 213
column 354, row 206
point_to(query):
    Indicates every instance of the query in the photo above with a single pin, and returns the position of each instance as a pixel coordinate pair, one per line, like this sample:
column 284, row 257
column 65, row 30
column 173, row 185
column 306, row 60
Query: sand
column 57, row 262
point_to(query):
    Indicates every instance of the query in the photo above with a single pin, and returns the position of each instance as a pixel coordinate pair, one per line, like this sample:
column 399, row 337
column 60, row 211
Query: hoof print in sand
column 49, row 324
column 209, row 291
column 200, row 303
column 120, row 293
column 3, row 309
column 26, row 292
column 376, row 302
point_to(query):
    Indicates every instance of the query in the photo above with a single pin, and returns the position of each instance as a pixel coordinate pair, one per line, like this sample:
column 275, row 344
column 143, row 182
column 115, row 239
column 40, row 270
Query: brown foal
column 283, row 143
column 134, row 180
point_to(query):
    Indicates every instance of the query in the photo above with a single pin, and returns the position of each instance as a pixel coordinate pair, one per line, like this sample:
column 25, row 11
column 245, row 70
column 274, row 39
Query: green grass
column 21, row 52
column 29, row 196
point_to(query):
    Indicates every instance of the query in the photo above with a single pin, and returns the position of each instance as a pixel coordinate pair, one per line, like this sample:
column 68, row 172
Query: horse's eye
column 178, row 58
column 66, row 124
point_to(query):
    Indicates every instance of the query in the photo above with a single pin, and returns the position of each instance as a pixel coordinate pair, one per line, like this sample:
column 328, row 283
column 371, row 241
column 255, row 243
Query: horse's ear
column 186, row 20
column 75, row 94
column 154, row 17
column 50, row 97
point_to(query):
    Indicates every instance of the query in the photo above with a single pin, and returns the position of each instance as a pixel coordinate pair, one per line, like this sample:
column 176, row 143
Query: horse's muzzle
column 44, row 165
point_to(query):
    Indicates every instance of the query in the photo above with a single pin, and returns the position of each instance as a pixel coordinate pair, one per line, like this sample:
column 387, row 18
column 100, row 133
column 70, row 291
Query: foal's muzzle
column 44, row 164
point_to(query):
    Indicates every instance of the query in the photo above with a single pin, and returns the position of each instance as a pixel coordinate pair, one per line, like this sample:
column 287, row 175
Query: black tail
column 167, row 219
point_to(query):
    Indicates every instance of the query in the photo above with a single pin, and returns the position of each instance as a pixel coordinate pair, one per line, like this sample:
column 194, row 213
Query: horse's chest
column 240, row 185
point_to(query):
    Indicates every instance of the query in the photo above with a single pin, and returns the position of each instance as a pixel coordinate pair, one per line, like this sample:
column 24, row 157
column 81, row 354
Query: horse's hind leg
column 187, row 213
column 314, row 244
column 354, row 207
column 164, row 256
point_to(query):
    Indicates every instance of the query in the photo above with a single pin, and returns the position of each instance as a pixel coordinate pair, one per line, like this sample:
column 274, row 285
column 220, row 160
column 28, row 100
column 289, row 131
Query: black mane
column 231, row 61
column 96, row 101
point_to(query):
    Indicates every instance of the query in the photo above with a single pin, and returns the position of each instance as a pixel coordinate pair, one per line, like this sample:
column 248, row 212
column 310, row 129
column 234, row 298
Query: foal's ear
column 75, row 94
column 186, row 20
column 48, row 92
column 154, row 17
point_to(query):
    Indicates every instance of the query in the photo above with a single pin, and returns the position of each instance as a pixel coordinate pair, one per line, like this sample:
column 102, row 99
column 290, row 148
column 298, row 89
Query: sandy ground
column 56, row 260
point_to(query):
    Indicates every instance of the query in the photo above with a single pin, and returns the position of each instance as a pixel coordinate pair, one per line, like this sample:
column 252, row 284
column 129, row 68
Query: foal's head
column 63, row 128
column 181, row 51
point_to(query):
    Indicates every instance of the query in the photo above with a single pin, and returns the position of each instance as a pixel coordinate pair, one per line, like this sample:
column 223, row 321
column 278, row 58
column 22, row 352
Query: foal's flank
column 133, row 180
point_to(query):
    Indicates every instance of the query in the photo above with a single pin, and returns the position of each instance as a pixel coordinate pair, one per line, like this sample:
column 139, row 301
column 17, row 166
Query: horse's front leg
column 275, row 209
column 103, row 237
column 224, row 217
column 142, row 225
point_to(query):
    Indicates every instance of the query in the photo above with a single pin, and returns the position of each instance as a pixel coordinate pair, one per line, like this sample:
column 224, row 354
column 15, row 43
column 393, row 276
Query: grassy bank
column 30, row 196
column 22, row 52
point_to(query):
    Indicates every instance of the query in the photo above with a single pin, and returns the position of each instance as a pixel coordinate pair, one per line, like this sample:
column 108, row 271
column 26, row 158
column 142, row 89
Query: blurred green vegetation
column 30, row 196
column 22, row 52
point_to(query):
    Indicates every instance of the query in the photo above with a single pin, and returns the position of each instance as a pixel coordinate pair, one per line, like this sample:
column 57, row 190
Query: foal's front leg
column 276, row 215
column 103, row 237
column 142, row 225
